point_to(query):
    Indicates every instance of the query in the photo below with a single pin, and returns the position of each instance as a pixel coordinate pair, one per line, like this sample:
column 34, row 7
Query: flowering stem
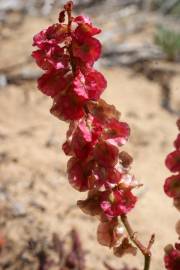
column 144, row 250
column 69, row 15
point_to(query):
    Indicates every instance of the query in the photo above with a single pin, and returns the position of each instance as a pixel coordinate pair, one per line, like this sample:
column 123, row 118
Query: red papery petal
column 79, row 87
column 106, row 154
column 117, row 202
column 125, row 248
column 66, row 107
column 172, row 258
column 51, row 57
column 41, row 60
column 103, row 111
column 177, row 142
column 88, row 50
column 125, row 159
column 82, row 141
column 107, row 176
column 82, row 19
column 39, row 38
column 78, row 173
column 95, row 84
column 116, row 132
column 57, row 58
column 67, row 145
column 53, row 34
column 91, row 205
column 172, row 186
column 90, row 85
column 106, row 233
column 173, row 161
column 85, row 28
column 52, row 83
column 82, row 137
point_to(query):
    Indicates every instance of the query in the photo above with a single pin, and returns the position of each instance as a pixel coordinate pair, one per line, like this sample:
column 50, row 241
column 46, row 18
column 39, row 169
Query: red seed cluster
column 67, row 52
column 172, row 189
column 172, row 183
column 172, row 257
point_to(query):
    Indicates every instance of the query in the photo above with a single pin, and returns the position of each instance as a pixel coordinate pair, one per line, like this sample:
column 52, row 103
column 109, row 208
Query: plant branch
column 69, row 7
column 146, row 251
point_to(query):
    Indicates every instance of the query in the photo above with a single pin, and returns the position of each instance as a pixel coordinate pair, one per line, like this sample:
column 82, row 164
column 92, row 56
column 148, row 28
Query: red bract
column 172, row 257
column 172, row 189
column 79, row 87
column 177, row 142
column 117, row 202
column 91, row 206
column 125, row 248
column 116, row 132
column 51, row 57
column 52, row 35
column 82, row 141
column 57, row 58
column 66, row 107
column 125, row 159
column 106, row 154
column 172, row 186
column 103, row 111
column 109, row 233
column 52, row 83
column 79, row 172
column 88, row 49
column 40, row 38
column 95, row 84
column 107, row 176
column 173, row 161
column 41, row 59
column 85, row 27
column 89, row 86
column 82, row 137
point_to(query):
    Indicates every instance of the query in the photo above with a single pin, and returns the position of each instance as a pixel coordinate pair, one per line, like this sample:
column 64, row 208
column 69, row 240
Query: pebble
column 18, row 209
column 3, row 80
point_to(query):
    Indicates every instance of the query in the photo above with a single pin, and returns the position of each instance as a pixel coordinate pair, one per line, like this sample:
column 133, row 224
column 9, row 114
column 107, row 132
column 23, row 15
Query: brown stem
column 70, row 48
column 69, row 14
column 144, row 250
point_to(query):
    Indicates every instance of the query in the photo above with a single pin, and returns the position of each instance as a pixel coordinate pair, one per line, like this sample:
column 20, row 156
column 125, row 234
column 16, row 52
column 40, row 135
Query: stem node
column 133, row 236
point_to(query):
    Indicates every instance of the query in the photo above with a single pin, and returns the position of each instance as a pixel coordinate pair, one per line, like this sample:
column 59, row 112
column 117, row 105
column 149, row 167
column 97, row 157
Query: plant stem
column 69, row 12
column 144, row 250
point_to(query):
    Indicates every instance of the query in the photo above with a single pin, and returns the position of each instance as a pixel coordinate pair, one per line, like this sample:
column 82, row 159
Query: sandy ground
column 35, row 197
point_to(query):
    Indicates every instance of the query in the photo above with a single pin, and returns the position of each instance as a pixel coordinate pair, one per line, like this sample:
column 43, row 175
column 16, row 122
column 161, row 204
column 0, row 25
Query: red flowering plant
column 67, row 52
column 172, row 189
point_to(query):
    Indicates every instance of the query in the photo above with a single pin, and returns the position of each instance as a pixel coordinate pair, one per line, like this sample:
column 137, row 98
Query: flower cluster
column 67, row 52
column 172, row 183
column 172, row 257
column 172, row 189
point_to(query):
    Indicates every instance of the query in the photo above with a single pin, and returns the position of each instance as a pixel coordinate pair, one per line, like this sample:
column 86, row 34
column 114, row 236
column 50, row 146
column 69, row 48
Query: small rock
column 3, row 80
column 18, row 209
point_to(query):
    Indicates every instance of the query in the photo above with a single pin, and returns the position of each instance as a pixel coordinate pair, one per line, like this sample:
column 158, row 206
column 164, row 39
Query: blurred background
column 40, row 226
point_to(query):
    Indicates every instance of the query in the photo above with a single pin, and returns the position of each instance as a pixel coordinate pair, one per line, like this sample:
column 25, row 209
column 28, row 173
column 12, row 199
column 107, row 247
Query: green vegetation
column 169, row 41
column 169, row 6
column 176, row 11
column 157, row 3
